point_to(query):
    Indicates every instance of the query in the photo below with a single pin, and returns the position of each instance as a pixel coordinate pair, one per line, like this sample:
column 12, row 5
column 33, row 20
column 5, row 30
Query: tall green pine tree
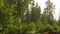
column 48, row 11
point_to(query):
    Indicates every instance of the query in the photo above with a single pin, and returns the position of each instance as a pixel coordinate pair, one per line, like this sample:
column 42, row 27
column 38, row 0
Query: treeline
column 24, row 16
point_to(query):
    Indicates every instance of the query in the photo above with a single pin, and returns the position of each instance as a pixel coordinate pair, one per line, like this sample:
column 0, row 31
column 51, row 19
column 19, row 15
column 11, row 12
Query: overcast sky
column 55, row 2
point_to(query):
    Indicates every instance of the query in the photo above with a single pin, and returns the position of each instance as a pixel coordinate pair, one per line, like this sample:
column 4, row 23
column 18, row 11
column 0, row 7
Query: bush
column 31, row 27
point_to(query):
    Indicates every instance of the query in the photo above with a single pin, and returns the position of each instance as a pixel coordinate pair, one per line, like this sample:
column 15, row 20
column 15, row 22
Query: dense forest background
column 24, row 17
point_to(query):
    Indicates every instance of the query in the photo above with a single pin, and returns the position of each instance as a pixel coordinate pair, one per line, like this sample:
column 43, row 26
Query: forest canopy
column 24, row 17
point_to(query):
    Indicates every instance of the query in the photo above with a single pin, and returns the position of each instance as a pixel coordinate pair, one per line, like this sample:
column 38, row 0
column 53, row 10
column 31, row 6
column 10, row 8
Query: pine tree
column 35, row 13
column 22, row 6
column 28, row 16
column 48, row 11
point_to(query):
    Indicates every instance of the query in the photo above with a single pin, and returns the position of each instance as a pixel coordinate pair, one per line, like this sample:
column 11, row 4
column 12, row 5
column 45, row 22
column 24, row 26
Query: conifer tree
column 22, row 6
column 35, row 13
column 28, row 16
column 48, row 11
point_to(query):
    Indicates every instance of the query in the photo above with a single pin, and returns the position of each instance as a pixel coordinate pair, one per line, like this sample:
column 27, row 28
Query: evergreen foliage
column 13, row 19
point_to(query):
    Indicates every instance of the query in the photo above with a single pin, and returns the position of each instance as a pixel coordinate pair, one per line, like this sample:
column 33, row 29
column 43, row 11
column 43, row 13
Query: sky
column 41, row 3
